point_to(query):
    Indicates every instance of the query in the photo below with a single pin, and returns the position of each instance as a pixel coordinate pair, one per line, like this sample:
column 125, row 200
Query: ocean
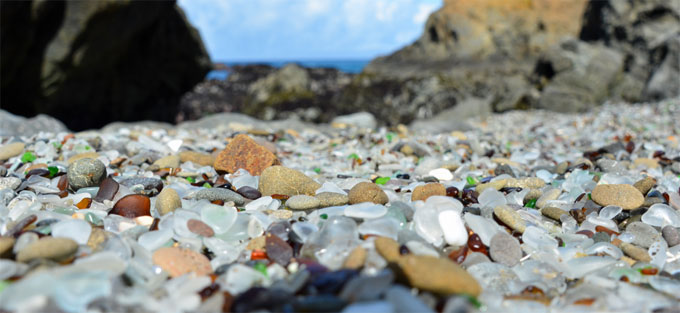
column 348, row 66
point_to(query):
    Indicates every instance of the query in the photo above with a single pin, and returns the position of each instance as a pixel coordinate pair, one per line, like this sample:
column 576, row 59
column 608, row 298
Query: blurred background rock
column 90, row 63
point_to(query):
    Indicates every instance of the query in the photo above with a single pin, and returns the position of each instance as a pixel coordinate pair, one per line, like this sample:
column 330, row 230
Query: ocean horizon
column 347, row 66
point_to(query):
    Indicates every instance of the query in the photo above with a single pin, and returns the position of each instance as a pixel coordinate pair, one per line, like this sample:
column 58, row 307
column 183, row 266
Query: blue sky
column 257, row 30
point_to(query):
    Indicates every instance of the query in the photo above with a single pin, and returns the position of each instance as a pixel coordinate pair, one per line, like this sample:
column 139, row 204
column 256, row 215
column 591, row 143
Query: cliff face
column 482, row 29
column 92, row 62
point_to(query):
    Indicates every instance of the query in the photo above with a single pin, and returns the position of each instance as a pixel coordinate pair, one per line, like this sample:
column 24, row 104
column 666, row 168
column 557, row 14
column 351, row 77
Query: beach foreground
column 523, row 212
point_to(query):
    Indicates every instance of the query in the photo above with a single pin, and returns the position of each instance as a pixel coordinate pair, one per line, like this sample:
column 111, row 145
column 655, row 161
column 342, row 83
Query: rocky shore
column 524, row 212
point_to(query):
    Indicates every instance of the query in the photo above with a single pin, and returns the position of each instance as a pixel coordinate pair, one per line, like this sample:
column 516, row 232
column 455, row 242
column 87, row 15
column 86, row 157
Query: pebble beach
column 526, row 211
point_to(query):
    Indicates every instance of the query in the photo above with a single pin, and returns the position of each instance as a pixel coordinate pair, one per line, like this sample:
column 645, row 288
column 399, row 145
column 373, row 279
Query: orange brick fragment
column 243, row 152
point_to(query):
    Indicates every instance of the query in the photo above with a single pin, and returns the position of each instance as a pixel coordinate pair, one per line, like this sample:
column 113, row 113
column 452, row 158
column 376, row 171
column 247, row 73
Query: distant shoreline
column 221, row 69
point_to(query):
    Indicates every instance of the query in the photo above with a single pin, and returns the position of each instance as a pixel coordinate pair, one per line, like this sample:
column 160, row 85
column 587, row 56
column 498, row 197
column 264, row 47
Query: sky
column 262, row 30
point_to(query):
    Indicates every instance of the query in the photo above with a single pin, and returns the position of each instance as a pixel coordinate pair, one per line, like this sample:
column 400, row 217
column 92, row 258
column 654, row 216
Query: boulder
column 88, row 63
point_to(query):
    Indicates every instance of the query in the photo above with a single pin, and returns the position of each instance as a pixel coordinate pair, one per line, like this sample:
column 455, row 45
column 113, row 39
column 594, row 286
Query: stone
column 243, row 152
column 496, row 185
column 553, row 212
column 505, row 249
column 356, row 259
column 257, row 243
column 170, row 161
column 302, row 202
column 80, row 156
column 388, row 248
column 510, row 217
column 670, row 233
column 645, row 184
column 278, row 250
column 441, row 174
column 454, row 230
column 15, row 125
column 423, row 192
column 525, row 183
column 9, row 183
column 199, row 228
column 282, row 214
column 438, row 275
column 148, row 183
column 167, row 201
column 85, row 173
column 368, row 192
column 645, row 235
column 635, row 252
column 56, row 83
column 6, row 245
column 601, row 237
column 549, row 195
column 359, row 119
column 56, row 249
column 202, row 159
column 249, row 192
column 327, row 199
column 179, row 261
column 107, row 190
column 623, row 195
column 10, row 150
column 646, row 162
column 285, row 181
column 132, row 206
column 97, row 237
column 212, row 194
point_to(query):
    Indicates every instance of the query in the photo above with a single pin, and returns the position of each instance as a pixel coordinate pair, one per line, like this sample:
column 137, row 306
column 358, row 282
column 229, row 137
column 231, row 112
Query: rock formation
column 92, row 62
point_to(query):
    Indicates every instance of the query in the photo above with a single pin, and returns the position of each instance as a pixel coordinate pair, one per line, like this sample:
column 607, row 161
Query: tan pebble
column 562, row 167
column 281, row 214
column 36, row 166
column 510, row 217
column 645, row 184
column 86, row 155
column 203, row 159
column 6, row 245
column 388, row 248
column 327, row 199
column 528, row 182
column 257, row 243
column 458, row 135
column 423, row 192
column 57, row 249
column 368, row 192
column 549, row 195
column 167, row 201
column 11, row 150
column 553, row 213
column 356, row 258
column 496, row 184
column 505, row 161
column 170, row 161
column 623, row 195
column 635, row 252
column 97, row 237
column 438, row 275
column 302, row 202
column 646, row 162
column 285, row 181
column 533, row 194
column 179, row 261
column 243, row 152
column 406, row 150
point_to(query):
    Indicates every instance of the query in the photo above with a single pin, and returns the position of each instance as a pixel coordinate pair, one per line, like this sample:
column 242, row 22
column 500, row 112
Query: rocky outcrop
column 91, row 62
column 269, row 93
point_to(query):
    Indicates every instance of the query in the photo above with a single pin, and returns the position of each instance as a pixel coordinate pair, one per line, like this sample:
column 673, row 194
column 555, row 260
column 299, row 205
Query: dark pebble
column 280, row 229
column 107, row 190
column 319, row 303
column 262, row 299
column 148, row 183
column 249, row 192
column 504, row 169
column 278, row 250
column 331, row 282
column 38, row 172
